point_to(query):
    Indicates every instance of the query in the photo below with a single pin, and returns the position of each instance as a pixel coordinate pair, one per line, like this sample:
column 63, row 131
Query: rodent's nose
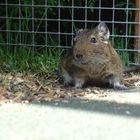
column 79, row 56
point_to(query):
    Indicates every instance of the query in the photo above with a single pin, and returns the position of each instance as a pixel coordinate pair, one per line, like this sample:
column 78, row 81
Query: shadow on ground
column 100, row 106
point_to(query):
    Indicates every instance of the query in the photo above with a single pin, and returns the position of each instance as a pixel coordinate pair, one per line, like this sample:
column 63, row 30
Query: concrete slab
column 116, row 117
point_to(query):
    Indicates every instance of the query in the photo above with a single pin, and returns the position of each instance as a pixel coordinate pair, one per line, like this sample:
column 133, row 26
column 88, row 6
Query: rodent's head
column 89, row 44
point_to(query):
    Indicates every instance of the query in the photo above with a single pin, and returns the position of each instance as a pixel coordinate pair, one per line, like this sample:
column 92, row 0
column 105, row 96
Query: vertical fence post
column 137, row 28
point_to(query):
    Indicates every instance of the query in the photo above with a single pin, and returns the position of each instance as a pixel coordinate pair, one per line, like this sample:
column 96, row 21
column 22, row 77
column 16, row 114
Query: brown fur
column 92, row 60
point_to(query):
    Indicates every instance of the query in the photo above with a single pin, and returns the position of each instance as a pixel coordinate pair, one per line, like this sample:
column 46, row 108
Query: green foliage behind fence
column 25, row 38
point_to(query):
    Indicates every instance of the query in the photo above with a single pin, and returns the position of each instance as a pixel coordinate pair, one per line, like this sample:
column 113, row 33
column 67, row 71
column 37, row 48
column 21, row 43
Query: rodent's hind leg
column 117, row 85
column 115, row 82
column 79, row 82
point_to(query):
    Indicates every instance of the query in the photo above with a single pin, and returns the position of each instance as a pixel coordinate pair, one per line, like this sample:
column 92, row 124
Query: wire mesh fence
column 52, row 23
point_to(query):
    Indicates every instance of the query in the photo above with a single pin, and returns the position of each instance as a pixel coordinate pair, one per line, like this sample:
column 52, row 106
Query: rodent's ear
column 79, row 31
column 103, row 31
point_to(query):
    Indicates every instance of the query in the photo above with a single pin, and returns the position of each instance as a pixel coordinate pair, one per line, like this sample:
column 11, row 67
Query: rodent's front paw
column 79, row 82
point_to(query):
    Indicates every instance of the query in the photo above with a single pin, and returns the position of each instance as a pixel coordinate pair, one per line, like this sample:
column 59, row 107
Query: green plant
column 120, row 43
column 27, row 60
column 137, row 60
column 120, row 46
column 123, row 4
column 31, row 58
column 2, row 41
column 91, row 3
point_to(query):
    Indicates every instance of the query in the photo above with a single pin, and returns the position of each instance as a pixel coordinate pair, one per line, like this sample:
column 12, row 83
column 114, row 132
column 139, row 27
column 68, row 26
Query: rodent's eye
column 93, row 40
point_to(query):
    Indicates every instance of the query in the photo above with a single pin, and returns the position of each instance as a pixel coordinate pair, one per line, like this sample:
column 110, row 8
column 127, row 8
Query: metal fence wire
column 52, row 23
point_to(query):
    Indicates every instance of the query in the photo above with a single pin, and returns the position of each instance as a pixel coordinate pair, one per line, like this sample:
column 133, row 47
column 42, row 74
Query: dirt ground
column 39, row 87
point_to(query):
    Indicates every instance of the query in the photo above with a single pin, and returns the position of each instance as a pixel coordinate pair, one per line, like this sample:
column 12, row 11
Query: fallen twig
column 132, row 78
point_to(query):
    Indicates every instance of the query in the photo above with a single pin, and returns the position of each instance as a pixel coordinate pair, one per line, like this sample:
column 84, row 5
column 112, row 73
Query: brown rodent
column 92, row 60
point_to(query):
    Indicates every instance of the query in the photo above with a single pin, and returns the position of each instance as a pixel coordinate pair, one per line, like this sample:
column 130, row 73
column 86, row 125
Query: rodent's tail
column 131, row 68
